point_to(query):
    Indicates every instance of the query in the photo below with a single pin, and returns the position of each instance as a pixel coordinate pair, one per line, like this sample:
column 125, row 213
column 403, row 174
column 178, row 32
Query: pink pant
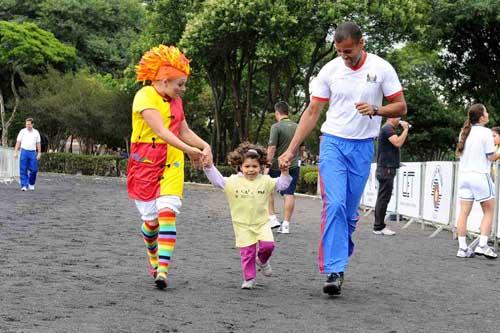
column 248, row 254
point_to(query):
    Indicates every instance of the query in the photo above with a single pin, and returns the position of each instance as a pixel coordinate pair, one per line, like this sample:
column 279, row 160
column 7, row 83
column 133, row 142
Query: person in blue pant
column 354, row 84
column 28, row 140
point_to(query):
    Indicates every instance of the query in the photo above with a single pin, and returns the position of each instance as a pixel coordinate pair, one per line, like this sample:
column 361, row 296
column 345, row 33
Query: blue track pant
column 27, row 162
column 344, row 167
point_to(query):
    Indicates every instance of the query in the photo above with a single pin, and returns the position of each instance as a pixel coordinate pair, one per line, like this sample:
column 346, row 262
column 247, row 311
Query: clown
column 160, row 137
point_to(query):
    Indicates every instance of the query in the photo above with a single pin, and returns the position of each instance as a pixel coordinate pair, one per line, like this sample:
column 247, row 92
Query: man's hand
column 38, row 156
column 285, row 159
column 404, row 124
column 16, row 154
column 365, row 109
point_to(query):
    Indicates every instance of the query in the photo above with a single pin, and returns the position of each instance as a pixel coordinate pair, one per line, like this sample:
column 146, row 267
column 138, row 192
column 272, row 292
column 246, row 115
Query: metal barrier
column 426, row 193
column 9, row 166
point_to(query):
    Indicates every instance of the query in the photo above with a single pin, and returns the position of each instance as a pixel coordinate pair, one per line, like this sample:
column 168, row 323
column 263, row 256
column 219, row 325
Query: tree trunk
column 6, row 123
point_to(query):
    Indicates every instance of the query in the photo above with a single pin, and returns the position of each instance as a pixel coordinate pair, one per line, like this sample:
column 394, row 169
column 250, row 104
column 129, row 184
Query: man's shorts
column 295, row 172
column 473, row 186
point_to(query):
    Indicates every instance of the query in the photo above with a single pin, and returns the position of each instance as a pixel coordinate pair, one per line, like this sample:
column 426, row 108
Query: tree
column 467, row 33
column 101, row 30
column 25, row 48
column 92, row 108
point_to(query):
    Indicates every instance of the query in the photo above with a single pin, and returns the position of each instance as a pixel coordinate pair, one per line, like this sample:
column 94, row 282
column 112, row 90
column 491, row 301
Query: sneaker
column 31, row 187
column 274, row 223
column 161, row 281
column 465, row 253
column 24, row 188
column 384, row 232
column 486, row 251
column 250, row 284
column 285, row 228
column 265, row 269
column 333, row 283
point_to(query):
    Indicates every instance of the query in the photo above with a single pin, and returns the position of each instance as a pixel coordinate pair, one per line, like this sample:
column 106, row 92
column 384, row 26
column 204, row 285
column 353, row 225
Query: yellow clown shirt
column 248, row 202
column 154, row 167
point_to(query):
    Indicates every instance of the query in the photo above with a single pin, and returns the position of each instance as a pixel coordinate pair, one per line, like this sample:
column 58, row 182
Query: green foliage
column 467, row 34
column 101, row 30
column 87, row 106
column 308, row 179
column 26, row 47
column 81, row 164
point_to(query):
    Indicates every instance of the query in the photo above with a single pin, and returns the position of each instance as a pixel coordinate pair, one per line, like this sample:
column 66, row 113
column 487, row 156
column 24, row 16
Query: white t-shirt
column 343, row 87
column 478, row 146
column 28, row 139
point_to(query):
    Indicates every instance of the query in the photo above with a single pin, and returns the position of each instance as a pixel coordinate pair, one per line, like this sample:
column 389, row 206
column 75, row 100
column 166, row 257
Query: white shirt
column 28, row 139
column 478, row 146
column 343, row 87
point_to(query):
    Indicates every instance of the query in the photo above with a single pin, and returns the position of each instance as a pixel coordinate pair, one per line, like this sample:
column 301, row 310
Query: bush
column 103, row 165
column 308, row 179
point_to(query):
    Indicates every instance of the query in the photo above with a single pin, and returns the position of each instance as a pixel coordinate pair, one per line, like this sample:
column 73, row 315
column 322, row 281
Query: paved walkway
column 72, row 260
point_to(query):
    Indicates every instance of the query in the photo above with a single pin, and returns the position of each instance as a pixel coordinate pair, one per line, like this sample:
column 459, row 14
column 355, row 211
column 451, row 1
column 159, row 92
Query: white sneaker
column 465, row 253
column 31, row 187
column 274, row 223
column 384, row 232
column 265, row 269
column 285, row 228
column 486, row 251
column 24, row 188
column 250, row 284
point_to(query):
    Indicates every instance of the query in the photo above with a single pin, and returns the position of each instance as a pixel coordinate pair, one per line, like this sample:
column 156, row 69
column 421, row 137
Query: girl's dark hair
column 475, row 113
column 496, row 130
column 247, row 150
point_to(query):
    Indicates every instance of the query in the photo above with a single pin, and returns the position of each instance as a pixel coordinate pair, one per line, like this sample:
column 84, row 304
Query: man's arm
column 306, row 125
column 271, row 150
column 395, row 108
column 16, row 148
column 39, row 149
column 398, row 141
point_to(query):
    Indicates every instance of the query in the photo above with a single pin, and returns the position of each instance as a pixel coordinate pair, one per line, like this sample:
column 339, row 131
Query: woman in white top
column 476, row 151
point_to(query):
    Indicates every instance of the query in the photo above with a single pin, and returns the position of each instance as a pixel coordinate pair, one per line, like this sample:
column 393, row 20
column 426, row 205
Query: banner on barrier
column 371, row 188
column 438, row 192
column 370, row 194
column 410, row 177
column 9, row 166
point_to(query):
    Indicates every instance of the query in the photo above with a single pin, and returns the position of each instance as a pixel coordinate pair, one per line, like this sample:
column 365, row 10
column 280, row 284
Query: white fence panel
column 371, row 188
column 410, row 177
column 9, row 166
column 438, row 192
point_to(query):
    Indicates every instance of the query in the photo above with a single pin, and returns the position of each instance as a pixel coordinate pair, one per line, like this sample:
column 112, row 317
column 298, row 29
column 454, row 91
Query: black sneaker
column 333, row 283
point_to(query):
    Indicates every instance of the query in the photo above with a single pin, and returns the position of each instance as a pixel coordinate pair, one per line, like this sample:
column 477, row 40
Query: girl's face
column 250, row 168
column 496, row 138
column 485, row 117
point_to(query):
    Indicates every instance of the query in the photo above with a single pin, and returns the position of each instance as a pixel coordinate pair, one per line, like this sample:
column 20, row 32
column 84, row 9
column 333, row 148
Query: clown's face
column 176, row 87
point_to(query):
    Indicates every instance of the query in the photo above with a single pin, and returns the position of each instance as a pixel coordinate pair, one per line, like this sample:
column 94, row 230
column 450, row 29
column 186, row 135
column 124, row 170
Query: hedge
column 108, row 165
column 102, row 165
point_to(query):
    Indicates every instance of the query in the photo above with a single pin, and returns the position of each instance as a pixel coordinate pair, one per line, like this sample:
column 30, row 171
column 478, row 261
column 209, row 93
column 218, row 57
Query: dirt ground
column 72, row 260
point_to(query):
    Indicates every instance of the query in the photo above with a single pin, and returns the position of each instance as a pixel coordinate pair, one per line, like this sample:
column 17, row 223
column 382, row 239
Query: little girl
column 248, row 195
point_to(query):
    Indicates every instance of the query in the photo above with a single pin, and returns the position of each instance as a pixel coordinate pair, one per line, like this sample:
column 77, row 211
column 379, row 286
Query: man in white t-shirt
column 28, row 140
column 354, row 84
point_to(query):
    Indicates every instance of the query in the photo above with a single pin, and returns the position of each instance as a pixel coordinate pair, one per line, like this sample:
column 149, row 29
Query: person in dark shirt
column 388, row 161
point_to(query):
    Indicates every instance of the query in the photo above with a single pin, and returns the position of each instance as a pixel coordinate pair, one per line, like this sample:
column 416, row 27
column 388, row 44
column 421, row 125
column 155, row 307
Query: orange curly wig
column 162, row 62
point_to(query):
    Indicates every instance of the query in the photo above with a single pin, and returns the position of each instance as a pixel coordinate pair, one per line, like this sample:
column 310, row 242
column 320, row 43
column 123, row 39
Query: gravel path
column 72, row 260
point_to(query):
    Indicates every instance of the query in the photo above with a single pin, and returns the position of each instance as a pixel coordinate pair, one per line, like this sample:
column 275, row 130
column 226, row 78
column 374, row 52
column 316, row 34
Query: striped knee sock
column 150, row 234
column 166, row 239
